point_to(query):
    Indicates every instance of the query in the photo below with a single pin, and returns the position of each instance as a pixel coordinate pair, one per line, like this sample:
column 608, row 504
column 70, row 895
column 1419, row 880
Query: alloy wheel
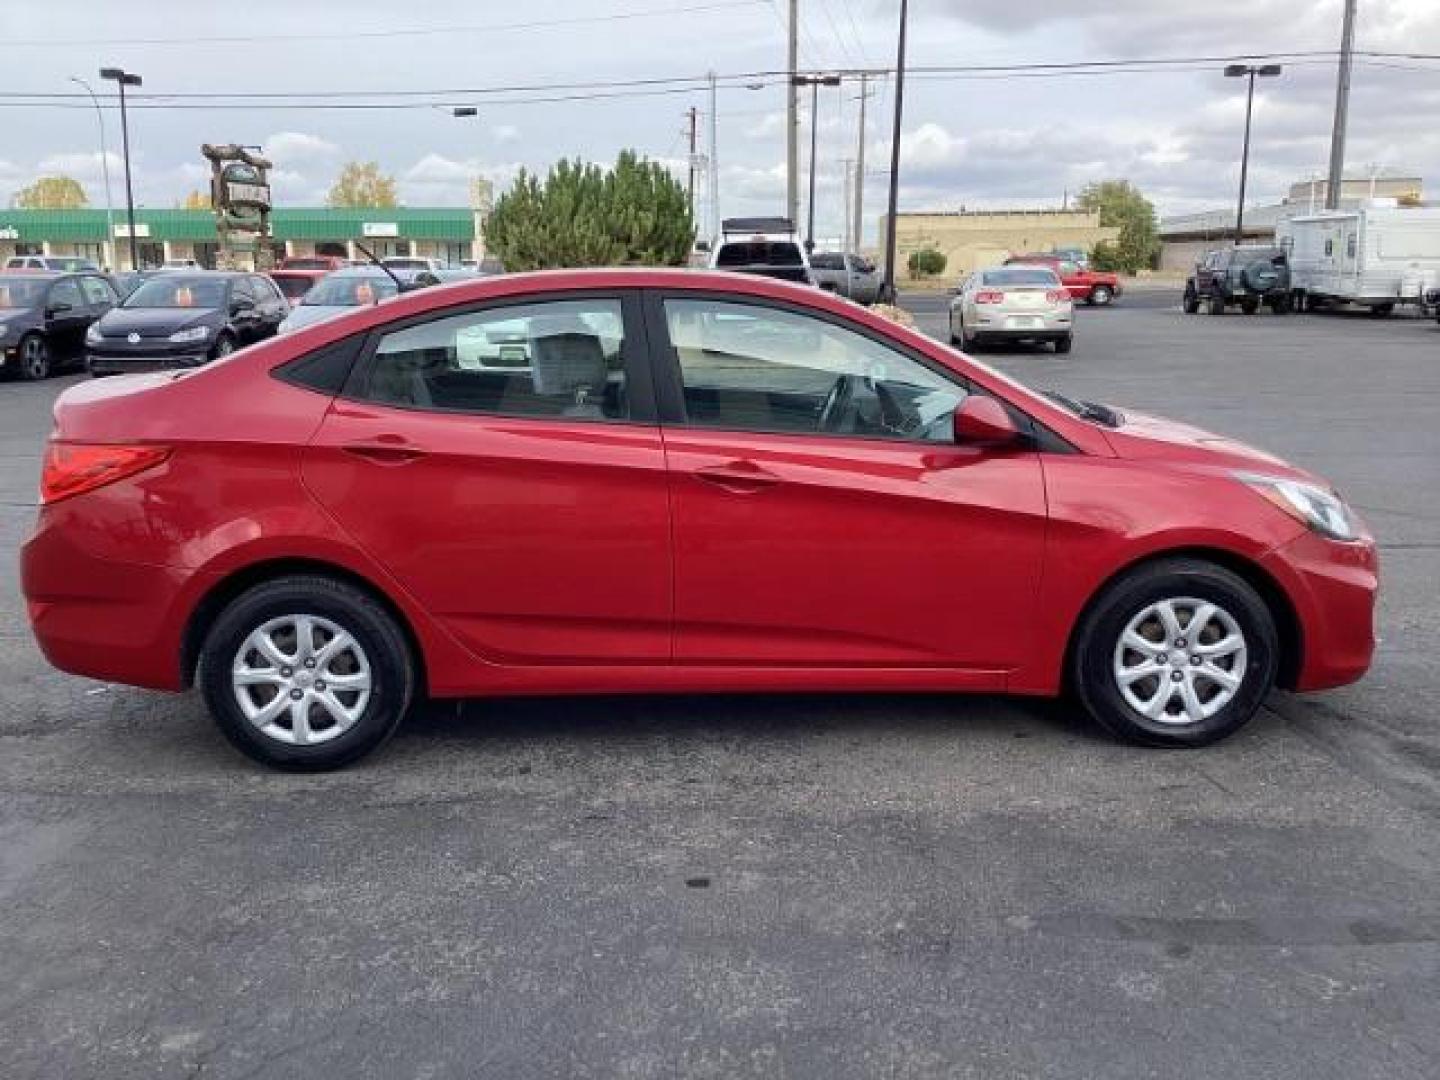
column 35, row 358
column 1180, row 660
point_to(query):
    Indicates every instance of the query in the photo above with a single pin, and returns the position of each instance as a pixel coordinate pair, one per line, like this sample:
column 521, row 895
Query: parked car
column 1432, row 301
column 296, row 283
column 43, row 318
column 68, row 264
column 851, row 276
column 1012, row 303
column 127, row 281
column 412, row 263
column 1248, row 276
column 1096, row 287
column 182, row 319
column 326, row 263
column 757, row 487
column 767, row 247
column 339, row 293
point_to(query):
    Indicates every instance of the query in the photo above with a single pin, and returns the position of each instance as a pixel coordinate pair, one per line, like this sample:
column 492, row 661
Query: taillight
column 1057, row 296
column 74, row 468
column 989, row 296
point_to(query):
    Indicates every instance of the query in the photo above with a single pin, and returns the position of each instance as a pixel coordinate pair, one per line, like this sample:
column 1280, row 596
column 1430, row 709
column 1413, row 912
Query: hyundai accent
column 636, row 480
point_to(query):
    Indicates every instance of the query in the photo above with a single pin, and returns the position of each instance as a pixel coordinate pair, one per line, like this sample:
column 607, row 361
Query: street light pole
column 814, row 82
column 104, row 162
column 887, row 285
column 470, row 112
column 1236, row 71
column 123, row 78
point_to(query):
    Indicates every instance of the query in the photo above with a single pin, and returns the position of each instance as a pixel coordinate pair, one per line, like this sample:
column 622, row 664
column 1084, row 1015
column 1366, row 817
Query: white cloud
column 298, row 147
column 504, row 133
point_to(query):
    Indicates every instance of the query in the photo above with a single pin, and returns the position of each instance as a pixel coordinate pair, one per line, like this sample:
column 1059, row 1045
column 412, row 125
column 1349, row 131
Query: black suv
column 43, row 318
column 1248, row 276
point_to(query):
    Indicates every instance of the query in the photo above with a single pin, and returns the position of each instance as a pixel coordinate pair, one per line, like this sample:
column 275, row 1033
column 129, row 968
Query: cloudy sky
column 978, row 140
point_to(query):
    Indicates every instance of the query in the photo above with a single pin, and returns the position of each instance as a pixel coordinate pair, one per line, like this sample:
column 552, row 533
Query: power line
column 467, row 28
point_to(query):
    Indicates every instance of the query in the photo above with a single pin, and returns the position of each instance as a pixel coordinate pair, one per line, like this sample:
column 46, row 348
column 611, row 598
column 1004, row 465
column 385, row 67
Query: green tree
column 362, row 184
column 1122, row 206
column 635, row 214
column 52, row 193
column 927, row 262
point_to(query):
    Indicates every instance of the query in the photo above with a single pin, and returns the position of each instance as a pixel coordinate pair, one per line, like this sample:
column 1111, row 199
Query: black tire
column 223, row 347
column 1380, row 311
column 391, row 667
column 1098, row 636
column 1217, row 304
column 1191, row 302
column 950, row 322
column 1100, row 296
column 1281, row 304
column 1250, row 305
column 34, row 356
column 1064, row 344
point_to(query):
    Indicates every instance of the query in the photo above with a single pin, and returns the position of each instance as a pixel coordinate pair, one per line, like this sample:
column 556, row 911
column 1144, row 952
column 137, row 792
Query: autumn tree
column 52, row 193
column 196, row 200
column 362, row 184
column 635, row 214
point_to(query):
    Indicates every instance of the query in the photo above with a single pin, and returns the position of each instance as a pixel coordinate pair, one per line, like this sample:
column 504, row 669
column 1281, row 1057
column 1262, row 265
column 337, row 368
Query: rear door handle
column 383, row 451
column 737, row 476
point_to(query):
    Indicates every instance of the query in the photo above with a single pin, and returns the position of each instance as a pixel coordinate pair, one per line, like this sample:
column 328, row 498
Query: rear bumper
column 107, row 620
column 1333, row 588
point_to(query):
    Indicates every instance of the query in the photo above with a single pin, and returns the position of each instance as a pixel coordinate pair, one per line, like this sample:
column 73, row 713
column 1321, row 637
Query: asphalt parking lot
column 771, row 887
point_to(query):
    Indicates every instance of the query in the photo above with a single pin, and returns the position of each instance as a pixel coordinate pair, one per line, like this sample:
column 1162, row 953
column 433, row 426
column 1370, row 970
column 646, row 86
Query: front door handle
column 737, row 476
column 385, row 451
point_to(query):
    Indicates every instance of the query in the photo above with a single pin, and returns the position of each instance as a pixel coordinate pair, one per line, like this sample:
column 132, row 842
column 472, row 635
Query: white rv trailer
column 1377, row 255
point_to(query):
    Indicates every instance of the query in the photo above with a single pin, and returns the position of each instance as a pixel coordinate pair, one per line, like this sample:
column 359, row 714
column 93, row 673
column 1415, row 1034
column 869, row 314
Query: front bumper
column 147, row 355
column 1332, row 587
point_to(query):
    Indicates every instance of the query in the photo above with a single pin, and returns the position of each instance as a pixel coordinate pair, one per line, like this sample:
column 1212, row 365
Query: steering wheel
column 836, row 402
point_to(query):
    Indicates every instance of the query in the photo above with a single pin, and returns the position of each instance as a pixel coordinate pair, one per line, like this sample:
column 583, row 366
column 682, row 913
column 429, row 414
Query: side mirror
column 983, row 421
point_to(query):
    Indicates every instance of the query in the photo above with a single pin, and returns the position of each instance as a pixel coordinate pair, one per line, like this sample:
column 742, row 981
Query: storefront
column 445, row 233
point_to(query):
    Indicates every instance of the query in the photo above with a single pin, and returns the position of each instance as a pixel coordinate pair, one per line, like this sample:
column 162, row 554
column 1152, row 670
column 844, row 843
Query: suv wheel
column 1100, row 295
column 306, row 673
column 1191, row 302
column 1177, row 653
column 1217, row 304
column 1250, row 305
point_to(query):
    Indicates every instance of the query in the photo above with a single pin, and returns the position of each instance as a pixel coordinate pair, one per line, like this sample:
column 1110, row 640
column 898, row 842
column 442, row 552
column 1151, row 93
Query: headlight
column 195, row 333
column 1312, row 506
column 93, row 335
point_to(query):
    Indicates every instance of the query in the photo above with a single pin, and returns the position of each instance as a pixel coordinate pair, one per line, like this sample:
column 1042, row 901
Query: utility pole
column 1244, row 71
column 792, row 120
column 857, row 228
column 814, row 82
column 714, row 172
column 887, row 285
column 846, row 164
column 693, row 114
column 1342, row 108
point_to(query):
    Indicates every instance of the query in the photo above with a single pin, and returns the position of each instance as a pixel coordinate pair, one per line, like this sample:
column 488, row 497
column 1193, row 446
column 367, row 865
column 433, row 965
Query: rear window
column 827, row 262
column 350, row 291
column 293, row 285
column 760, row 253
column 1020, row 275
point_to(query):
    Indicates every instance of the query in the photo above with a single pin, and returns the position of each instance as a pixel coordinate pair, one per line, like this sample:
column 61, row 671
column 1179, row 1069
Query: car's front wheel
column 1217, row 303
column 1191, row 302
column 223, row 347
column 1064, row 344
column 34, row 357
column 1101, row 295
column 1178, row 653
column 306, row 673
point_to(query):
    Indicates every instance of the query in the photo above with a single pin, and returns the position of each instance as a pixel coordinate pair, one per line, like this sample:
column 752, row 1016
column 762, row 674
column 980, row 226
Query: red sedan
column 628, row 481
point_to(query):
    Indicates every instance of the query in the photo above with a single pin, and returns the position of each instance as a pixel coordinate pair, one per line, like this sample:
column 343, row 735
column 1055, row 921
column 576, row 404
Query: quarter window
column 562, row 358
column 754, row 368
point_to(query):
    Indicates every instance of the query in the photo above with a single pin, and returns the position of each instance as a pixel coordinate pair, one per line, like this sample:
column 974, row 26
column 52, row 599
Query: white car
column 1012, row 303
column 338, row 293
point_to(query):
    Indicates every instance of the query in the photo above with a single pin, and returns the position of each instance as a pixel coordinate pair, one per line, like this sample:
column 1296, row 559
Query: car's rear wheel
column 1217, row 304
column 34, row 357
column 1250, row 305
column 1063, row 344
column 306, row 673
column 1180, row 652
column 1101, row 295
column 1381, row 310
column 1191, row 302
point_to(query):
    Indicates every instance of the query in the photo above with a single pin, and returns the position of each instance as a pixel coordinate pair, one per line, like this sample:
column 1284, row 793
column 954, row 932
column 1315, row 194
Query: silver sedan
column 1012, row 303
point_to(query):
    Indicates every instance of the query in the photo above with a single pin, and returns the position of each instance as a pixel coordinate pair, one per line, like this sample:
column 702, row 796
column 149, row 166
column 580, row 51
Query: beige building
column 971, row 239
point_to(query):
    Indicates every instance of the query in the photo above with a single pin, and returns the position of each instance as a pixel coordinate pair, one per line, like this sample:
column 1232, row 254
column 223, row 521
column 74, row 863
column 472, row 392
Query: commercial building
column 450, row 234
column 1184, row 238
column 971, row 239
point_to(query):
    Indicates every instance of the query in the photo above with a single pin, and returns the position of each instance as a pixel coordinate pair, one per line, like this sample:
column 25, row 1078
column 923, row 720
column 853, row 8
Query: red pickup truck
column 1095, row 287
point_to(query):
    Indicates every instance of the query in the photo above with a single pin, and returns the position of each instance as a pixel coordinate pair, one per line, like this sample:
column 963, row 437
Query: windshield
column 20, row 293
column 179, row 291
column 1257, row 255
column 760, row 253
column 349, row 291
column 1020, row 275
